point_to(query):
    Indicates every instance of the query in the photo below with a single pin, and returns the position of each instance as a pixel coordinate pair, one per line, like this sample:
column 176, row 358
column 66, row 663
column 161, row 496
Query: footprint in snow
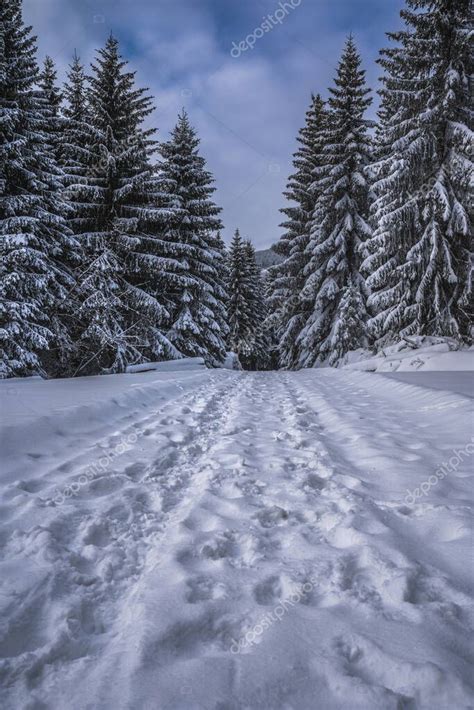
column 269, row 517
column 33, row 486
column 220, row 547
column 97, row 534
column 202, row 588
column 269, row 590
column 314, row 482
column 194, row 637
column 135, row 470
column 348, row 649
column 102, row 486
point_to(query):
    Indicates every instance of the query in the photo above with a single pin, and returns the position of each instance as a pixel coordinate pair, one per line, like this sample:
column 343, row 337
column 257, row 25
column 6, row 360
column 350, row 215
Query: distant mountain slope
column 267, row 257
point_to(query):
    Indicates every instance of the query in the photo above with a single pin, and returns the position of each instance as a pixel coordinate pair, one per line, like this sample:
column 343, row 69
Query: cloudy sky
column 247, row 103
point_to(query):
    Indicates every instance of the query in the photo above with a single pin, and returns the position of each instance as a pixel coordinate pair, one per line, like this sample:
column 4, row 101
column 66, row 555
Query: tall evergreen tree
column 334, row 283
column 54, row 129
column 239, row 313
column 222, row 279
column 258, row 357
column 419, row 256
column 47, row 81
column 52, row 98
column 77, row 137
column 198, row 316
column 74, row 92
column 78, row 160
column 118, row 219
column 35, row 241
column 288, row 310
column 248, row 335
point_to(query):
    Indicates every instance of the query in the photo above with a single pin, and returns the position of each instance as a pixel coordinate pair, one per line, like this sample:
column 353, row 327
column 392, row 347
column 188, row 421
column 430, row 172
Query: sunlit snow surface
column 192, row 538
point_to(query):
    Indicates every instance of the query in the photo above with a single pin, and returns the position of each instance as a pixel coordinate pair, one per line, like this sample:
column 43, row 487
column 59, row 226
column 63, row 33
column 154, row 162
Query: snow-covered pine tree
column 218, row 298
column 198, row 324
column 224, row 269
column 47, row 81
column 288, row 311
column 35, row 242
column 77, row 136
column 54, row 128
column 118, row 220
column 334, row 283
column 254, row 293
column 52, row 97
column 221, row 281
column 239, row 316
column 273, row 357
column 77, row 142
column 74, row 91
column 419, row 255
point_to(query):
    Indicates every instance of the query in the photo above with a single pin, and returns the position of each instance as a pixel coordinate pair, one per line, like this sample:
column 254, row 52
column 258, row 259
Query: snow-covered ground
column 418, row 354
column 192, row 538
column 461, row 382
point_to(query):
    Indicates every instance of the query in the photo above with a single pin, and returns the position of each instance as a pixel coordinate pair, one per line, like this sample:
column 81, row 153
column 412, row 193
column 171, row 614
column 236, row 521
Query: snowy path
column 253, row 545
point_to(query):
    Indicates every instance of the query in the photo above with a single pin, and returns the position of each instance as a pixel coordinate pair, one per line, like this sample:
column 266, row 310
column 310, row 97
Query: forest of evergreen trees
column 111, row 246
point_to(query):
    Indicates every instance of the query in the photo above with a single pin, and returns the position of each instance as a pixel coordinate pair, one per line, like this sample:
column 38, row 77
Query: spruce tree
column 74, row 92
column 221, row 293
column 339, row 229
column 419, row 256
column 258, row 357
column 77, row 136
column 47, row 81
column 55, row 125
column 76, row 139
column 239, row 310
column 197, row 295
column 52, row 97
column 118, row 219
column 36, row 243
column 288, row 310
